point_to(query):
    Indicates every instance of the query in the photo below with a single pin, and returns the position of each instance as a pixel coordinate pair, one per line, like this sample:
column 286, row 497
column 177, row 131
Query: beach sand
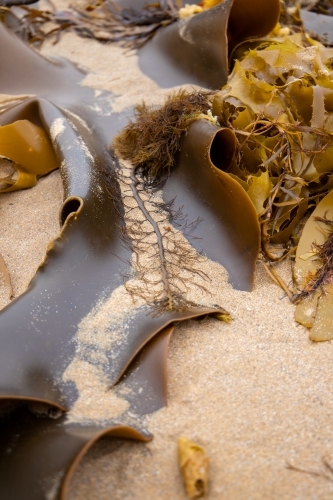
column 255, row 393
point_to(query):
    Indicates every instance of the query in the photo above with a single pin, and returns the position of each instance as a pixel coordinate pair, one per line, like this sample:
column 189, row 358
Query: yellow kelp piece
column 313, row 273
column 259, row 189
column 30, row 153
column 193, row 463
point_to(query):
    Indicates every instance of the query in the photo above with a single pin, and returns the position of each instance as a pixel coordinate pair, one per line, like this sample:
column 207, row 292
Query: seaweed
column 152, row 141
column 104, row 21
column 36, row 353
column 324, row 254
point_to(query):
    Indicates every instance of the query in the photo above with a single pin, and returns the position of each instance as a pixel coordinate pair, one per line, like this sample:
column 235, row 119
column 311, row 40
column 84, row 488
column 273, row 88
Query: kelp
column 193, row 463
column 278, row 102
column 312, row 273
column 30, row 153
column 38, row 328
column 173, row 51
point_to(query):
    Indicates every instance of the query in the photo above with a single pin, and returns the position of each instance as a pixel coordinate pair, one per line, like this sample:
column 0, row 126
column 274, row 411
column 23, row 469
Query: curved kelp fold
column 229, row 231
column 38, row 453
column 40, row 347
column 196, row 50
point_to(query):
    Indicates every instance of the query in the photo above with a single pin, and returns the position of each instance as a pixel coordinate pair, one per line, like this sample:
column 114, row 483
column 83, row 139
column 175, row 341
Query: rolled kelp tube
column 196, row 50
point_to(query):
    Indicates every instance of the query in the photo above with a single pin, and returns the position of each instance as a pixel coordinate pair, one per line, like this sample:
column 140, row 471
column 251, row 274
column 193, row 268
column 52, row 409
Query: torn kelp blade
column 228, row 230
column 38, row 454
column 196, row 50
column 316, row 310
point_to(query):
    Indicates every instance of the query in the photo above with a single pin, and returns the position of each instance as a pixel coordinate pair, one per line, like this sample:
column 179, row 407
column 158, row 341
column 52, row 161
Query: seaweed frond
column 151, row 141
column 324, row 254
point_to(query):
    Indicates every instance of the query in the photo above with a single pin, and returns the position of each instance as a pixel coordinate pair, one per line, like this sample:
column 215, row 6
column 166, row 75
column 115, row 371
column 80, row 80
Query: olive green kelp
column 40, row 349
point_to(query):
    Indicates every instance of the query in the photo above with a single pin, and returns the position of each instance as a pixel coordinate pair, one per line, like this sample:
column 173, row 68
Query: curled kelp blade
column 228, row 230
column 38, row 454
column 314, row 309
column 196, row 50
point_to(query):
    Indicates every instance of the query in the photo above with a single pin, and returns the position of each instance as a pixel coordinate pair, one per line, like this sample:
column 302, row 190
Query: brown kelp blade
column 145, row 381
column 85, row 262
column 196, row 50
column 38, row 451
column 229, row 230
column 314, row 310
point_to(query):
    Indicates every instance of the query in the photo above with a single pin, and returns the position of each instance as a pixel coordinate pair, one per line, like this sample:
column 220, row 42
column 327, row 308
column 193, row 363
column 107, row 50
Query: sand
column 255, row 393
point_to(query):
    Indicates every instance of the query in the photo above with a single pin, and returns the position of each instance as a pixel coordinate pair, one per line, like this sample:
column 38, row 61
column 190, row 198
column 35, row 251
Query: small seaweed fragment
column 152, row 140
column 324, row 254
column 193, row 463
column 29, row 153
column 313, row 273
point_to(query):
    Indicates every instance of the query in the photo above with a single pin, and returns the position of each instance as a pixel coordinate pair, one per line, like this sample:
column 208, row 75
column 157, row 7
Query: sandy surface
column 256, row 393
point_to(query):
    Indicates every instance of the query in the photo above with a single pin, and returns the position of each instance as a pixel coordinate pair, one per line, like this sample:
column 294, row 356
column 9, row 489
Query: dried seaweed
column 324, row 254
column 267, row 102
column 104, row 21
column 152, row 140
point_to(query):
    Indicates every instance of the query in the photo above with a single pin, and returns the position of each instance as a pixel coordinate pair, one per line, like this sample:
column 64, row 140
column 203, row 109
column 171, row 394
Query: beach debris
column 193, row 463
column 327, row 473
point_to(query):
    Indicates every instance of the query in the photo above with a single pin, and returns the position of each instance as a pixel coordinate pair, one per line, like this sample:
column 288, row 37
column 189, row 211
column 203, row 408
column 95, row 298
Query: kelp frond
column 152, row 140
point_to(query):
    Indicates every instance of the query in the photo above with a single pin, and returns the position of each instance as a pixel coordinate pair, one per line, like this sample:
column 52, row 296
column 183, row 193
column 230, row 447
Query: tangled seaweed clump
column 152, row 140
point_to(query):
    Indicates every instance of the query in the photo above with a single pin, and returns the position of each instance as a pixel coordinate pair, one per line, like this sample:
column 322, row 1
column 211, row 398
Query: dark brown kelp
column 35, row 354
